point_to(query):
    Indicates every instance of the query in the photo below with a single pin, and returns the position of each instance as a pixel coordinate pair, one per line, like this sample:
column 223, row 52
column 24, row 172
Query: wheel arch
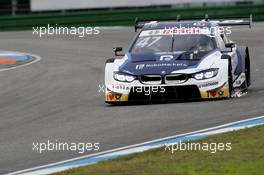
column 244, row 63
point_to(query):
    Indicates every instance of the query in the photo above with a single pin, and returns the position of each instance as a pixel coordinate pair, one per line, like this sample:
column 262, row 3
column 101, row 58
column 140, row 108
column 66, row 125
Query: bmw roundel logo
column 163, row 72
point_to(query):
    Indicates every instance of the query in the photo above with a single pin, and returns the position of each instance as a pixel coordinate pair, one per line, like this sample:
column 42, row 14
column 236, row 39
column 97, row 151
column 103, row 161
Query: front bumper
column 166, row 93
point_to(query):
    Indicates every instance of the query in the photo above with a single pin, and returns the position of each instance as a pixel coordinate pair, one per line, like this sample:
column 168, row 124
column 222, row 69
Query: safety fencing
column 124, row 17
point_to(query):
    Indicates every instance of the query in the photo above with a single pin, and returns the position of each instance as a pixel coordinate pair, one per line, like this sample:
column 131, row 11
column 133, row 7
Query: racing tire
column 247, row 82
column 230, row 78
column 247, row 70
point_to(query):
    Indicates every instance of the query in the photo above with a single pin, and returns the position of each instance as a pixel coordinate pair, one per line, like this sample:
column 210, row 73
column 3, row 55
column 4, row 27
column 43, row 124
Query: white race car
column 179, row 60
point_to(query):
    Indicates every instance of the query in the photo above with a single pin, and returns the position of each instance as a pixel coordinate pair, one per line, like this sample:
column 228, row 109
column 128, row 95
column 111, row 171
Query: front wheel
column 230, row 78
column 247, row 82
column 247, row 70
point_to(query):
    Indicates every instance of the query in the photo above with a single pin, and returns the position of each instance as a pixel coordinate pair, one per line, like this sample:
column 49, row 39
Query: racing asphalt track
column 57, row 99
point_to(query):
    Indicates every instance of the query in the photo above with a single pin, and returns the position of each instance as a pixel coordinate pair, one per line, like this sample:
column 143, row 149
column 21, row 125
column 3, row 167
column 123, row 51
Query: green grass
column 245, row 158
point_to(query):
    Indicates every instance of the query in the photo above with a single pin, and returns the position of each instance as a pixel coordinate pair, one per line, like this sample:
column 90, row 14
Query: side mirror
column 226, row 57
column 230, row 45
column 118, row 49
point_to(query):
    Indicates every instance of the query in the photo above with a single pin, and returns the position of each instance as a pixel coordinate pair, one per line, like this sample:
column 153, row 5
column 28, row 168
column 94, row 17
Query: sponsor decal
column 220, row 93
column 167, row 65
column 212, row 93
column 175, row 31
column 114, row 97
column 111, row 97
column 163, row 72
column 153, row 65
column 124, row 88
column 215, row 93
column 118, row 96
column 166, row 57
column 183, row 30
column 140, row 66
column 208, row 84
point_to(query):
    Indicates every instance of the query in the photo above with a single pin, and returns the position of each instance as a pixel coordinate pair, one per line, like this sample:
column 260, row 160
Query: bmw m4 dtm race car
column 179, row 60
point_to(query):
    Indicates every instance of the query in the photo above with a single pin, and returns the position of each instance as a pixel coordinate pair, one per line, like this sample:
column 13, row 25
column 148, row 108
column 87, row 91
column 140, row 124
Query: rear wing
column 227, row 21
column 139, row 24
column 234, row 21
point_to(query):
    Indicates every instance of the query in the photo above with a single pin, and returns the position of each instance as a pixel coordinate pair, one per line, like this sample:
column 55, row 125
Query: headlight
column 123, row 77
column 199, row 76
column 207, row 74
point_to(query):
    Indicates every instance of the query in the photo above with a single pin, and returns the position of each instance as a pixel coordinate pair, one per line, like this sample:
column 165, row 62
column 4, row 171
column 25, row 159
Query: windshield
column 172, row 43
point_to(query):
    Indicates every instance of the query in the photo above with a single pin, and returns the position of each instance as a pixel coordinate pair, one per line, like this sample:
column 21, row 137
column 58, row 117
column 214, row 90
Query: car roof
column 175, row 24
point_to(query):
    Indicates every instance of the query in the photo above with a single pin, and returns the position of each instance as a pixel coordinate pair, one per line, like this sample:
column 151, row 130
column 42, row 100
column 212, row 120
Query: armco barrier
column 124, row 17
